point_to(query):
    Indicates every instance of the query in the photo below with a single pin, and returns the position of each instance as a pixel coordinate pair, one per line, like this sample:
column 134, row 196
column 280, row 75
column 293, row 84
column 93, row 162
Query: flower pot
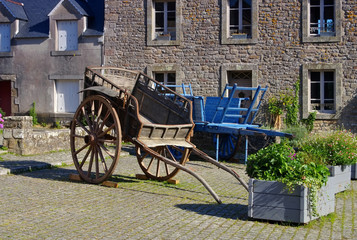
column 340, row 177
column 270, row 200
column 354, row 171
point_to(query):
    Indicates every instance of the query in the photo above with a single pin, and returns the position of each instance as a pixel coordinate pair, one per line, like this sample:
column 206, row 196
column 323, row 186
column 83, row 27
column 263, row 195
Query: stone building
column 210, row 43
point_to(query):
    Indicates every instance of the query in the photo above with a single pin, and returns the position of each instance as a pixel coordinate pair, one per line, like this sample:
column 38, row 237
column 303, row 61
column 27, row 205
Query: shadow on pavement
column 231, row 211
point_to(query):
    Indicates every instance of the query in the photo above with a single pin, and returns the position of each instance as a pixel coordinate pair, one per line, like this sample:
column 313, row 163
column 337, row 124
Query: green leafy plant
column 291, row 103
column 309, row 121
column 2, row 112
column 57, row 125
column 33, row 114
column 280, row 162
column 275, row 108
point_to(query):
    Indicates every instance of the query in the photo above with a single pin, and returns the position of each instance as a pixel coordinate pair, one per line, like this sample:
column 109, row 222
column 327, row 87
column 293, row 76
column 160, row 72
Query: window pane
column 171, row 6
column 247, row 17
column 329, row 76
column 171, row 19
column 315, row 76
column 247, row 3
column 159, row 6
column 233, row 3
column 234, row 30
column 329, row 2
column 159, row 77
column 329, row 91
column 315, row 90
column 159, row 20
column 171, row 78
column 314, row 14
column 234, row 17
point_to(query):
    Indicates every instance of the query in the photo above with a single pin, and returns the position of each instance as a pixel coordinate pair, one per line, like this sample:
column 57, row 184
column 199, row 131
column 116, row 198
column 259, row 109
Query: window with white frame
column 322, row 19
column 166, row 78
column 165, row 20
column 242, row 79
column 240, row 18
column 322, row 85
column 5, row 37
column 67, row 35
column 239, row 22
column 322, row 90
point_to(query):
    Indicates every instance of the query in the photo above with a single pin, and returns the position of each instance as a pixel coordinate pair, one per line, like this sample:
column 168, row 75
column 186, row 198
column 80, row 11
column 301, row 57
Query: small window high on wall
column 67, row 35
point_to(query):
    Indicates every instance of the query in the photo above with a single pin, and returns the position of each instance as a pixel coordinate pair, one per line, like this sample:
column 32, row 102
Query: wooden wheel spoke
column 110, row 141
column 150, row 164
column 105, row 167
column 81, row 149
column 87, row 119
column 158, row 168
column 166, row 168
column 77, row 136
column 106, row 131
column 85, row 158
column 106, row 151
column 83, row 127
column 96, row 164
column 104, row 120
column 90, row 164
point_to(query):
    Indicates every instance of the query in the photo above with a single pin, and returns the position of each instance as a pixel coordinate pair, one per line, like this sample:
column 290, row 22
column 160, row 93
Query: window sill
column 157, row 42
column 238, row 41
column 6, row 54
column 66, row 53
column 321, row 39
column 326, row 116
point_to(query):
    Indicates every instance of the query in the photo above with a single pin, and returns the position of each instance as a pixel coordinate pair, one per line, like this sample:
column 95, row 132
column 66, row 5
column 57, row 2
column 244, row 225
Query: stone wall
column 20, row 138
column 278, row 55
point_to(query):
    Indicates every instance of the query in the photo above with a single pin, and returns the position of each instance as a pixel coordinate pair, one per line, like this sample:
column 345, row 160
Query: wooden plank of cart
column 119, row 104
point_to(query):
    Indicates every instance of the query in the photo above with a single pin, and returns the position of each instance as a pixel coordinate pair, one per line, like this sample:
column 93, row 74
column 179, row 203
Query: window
column 244, row 75
column 67, row 96
column 5, row 37
column 67, row 35
column 240, row 18
column 242, row 79
column 322, row 90
column 165, row 78
column 164, row 22
column 321, row 20
column 239, row 21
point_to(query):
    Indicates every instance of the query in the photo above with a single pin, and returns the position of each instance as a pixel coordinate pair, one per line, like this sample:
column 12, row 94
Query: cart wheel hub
column 89, row 138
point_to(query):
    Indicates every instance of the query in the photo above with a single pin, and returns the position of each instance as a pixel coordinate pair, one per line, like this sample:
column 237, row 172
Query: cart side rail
column 159, row 104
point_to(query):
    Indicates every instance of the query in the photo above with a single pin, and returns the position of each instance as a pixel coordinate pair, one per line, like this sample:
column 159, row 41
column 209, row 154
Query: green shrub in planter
column 332, row 148
column 280, row 162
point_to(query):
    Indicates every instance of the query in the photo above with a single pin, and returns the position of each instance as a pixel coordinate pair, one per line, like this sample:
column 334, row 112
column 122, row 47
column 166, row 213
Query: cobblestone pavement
column 44, row 204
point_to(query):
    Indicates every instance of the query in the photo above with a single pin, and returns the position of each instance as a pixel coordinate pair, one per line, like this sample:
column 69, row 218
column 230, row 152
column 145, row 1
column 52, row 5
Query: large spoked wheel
column 228, row 146
column 154, row 167
column 95, row 139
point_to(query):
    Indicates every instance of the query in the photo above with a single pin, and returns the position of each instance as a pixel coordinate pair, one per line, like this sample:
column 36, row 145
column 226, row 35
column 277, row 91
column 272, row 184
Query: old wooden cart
column 127, row 105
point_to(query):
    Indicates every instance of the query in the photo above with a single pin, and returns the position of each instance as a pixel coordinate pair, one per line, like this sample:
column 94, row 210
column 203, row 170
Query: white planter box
column 354, row 171
column 270, row 200
column 340, row 178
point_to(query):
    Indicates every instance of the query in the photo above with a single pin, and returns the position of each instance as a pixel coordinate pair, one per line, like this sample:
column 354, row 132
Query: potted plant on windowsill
column 164, row 37
column 338, row 151
column 286, row 187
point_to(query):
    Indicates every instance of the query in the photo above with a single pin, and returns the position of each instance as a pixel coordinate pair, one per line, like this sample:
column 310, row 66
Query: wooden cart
column 127, row 105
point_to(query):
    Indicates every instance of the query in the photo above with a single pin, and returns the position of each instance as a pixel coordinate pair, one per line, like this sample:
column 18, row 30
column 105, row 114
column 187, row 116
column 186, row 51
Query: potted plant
column 286, row 187
column 338, row 151
column 164, row 36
